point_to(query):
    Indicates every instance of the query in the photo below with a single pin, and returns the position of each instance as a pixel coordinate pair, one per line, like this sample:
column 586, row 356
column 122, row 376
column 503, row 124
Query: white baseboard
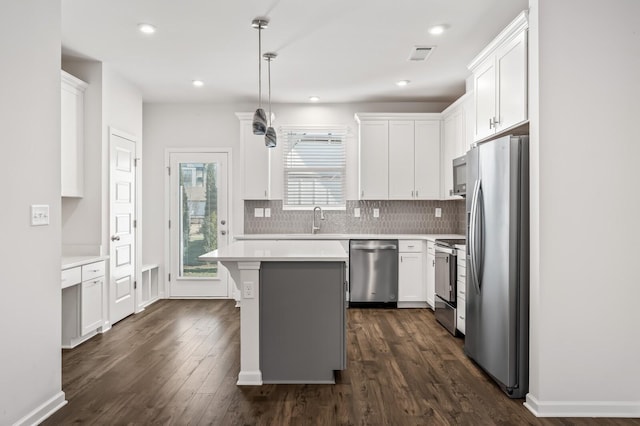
column 630, row 409
column 46, row 409
column 249, row 378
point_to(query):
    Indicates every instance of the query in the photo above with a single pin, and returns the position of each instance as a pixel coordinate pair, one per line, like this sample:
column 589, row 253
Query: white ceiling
column 340, row 50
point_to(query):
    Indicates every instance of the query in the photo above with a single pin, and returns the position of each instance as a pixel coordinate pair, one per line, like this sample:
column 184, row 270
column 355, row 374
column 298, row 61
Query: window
column 314, row 168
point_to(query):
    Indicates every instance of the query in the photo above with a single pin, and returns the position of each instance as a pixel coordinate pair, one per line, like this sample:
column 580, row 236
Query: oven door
column 446, row 273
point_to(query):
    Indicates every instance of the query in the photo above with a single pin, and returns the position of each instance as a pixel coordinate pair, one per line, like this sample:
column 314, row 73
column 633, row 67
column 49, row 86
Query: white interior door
column 198, row 223
column 122, row 196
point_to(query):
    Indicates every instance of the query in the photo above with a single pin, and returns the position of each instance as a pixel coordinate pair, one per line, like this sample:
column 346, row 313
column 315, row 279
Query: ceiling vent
column 420, row 53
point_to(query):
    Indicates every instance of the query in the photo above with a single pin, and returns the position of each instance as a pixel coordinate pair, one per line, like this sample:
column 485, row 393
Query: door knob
column 115, row 238
column 223, row 222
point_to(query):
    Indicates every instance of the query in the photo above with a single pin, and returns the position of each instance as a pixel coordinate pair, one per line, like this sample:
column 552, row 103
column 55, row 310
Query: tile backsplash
column 396, row 217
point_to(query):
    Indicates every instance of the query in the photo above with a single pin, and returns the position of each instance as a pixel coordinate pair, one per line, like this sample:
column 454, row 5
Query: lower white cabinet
column 430, row 272
column 411, row 283
column 82, row 302
column 91, row 305
column 461, row 295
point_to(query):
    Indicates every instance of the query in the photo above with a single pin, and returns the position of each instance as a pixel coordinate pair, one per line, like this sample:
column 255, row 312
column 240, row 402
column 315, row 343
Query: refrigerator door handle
column 479, row 239
column 473, row 234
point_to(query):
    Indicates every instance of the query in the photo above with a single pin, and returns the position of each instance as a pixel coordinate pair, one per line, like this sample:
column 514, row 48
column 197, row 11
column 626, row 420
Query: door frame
column 114, row 131
column 167, row 207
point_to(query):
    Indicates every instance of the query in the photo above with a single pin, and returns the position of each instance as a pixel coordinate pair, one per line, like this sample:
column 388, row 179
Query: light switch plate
column 258, row 212
column 356, row 212
column 376, row 212
column 267, row 212
column 438, row 212
column 39, row 214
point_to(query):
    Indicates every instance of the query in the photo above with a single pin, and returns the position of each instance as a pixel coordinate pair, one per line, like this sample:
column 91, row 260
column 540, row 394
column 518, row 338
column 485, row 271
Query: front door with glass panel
column 199, row 223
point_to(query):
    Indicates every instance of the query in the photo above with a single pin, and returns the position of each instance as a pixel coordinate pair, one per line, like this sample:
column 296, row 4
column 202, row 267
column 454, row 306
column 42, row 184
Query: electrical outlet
column 39, row 214
column 247, row 290
column 438, row 212
column 258, row 212
column 356, row 212
column 376, row 212
column 267, row 212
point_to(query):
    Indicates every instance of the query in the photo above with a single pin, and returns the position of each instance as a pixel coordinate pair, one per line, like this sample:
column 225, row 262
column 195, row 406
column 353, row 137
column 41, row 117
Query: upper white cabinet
column 399, row 156
column 501, row 82
column 373, row 159
column 255, row 161
column 72, row 135
column 456, row 139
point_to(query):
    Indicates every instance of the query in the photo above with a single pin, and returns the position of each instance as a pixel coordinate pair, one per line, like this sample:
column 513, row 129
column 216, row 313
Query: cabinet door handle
column 223, row 232
column 265, row 193
column 416, row 193
column 115, row 238
column 491, row 123
column 434, row 263
column 411, row 194
column 362, row 193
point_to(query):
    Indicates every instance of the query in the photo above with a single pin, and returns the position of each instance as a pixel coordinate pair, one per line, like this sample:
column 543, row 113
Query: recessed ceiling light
column 313, row 99
column 402, row 83
column 437, row 29
column 198, row 83
column 146, row 28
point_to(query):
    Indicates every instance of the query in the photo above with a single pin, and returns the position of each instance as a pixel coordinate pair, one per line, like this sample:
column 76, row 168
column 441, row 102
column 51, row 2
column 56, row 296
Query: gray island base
column 302, row 321
column 292, row 309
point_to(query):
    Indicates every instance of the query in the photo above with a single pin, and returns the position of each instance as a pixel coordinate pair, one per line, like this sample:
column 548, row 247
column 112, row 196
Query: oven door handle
column 446, row 250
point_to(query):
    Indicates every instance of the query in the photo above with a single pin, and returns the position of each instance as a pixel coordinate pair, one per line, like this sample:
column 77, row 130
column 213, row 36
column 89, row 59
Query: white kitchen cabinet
column 411, row 274
column 255, row 157
column 461, row 293
column 454, row 141
column 427, row 159
column 430, row 274
column 82, row 302
column 374, row 160
column 399, row 156
column 501, row 81
column 91, row 305
column 71, row 135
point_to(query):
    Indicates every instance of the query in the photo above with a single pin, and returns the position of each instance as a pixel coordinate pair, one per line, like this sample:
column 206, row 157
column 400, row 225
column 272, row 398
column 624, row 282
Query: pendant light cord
column 260, row 65
column 269, row 91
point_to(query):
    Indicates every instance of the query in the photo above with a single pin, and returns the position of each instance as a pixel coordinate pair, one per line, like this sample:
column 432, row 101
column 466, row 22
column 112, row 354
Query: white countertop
column 429, row 237
column 279, row 251
column 73, row 261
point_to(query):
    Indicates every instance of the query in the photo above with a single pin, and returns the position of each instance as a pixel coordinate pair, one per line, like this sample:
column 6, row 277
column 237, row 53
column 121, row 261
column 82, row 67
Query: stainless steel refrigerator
column 497, row 303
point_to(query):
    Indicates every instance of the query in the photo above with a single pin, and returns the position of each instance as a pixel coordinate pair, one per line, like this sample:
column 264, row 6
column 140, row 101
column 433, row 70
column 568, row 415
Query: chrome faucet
column 315, row 228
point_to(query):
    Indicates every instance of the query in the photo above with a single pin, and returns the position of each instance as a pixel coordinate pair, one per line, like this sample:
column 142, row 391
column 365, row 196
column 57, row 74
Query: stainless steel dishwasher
column 373, row 272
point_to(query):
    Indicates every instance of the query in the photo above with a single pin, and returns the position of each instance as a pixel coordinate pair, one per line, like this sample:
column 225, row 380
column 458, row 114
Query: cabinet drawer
column 461, row 290
column 71, row 277
column 93, row 270
column 460, row 316
column 462, row 272
column 410, row 246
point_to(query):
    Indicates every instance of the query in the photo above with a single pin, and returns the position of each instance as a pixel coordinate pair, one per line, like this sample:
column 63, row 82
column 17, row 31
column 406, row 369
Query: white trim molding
column 582, row 408
column 43, row 411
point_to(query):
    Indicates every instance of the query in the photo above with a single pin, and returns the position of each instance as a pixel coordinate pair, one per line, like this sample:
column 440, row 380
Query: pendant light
column 270, row 138
column 259, row 117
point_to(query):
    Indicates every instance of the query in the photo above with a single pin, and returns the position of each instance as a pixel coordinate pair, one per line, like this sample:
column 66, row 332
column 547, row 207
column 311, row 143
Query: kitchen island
column 292, row 309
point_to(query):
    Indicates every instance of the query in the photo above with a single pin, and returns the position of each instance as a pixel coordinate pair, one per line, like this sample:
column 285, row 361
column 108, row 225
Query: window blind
column 314, row 167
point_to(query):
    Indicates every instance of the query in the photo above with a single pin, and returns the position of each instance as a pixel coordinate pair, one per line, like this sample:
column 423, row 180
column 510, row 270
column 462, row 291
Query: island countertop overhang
column 279, row 251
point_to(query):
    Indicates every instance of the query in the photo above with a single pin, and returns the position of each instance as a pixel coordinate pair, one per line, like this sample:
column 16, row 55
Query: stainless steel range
column 446, row 278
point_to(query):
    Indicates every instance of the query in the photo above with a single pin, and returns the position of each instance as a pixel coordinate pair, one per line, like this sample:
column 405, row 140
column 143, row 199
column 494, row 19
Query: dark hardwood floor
column 177, row 363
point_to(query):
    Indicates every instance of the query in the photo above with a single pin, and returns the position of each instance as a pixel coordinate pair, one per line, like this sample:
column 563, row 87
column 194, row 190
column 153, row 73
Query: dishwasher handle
column 379, row 247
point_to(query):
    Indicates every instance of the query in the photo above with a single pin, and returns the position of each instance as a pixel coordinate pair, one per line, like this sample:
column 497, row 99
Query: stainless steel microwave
column 459, row 176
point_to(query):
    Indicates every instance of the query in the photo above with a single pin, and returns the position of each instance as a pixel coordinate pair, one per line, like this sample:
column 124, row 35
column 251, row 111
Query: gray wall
column 30, row 359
